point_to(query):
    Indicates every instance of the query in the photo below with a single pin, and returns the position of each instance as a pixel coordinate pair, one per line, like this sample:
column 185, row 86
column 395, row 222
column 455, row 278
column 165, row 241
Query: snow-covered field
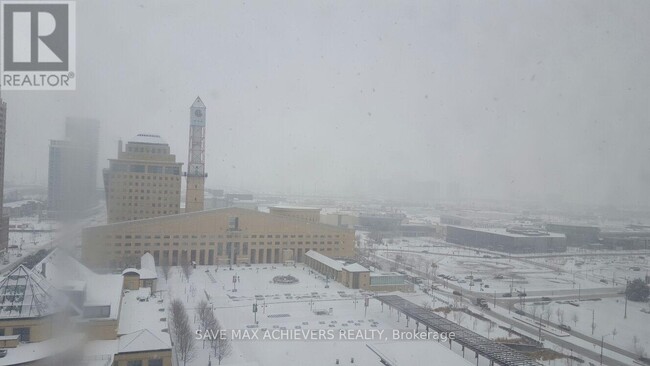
column 292, row 308
column 608, row 316
column 501, row 272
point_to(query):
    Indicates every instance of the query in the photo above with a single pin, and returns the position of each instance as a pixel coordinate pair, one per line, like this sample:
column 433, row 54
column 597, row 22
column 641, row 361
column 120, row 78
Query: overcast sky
column 518, row 99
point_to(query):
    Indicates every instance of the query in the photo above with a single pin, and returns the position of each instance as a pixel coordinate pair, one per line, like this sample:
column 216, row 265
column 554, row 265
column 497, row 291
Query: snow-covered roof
column 105, row 289
column 141, row 340
column 17, row 204
column 355, row 267
column 62, row 270
column 281, row 207
column 99, row 352
column 66, row 273
column 142, row 310
column 332, row 263
column 148, row 267
column 26, row 294
column 512, row 233
column 144, row 138
column 31, row 353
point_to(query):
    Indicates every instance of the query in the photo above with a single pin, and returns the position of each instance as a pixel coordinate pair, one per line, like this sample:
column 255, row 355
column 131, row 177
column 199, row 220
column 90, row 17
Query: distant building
column 382, row 221
column 72, row 171
column 238, row 196
column 221, row 236
column 304, row 213
column 144, row 181
column 217, row 199
column 456, row 220
column 340, row 219
column 512, row 240
column 576, row 235
column 630, row 238
column 23, row 208
column 4, row 219
column 420, row 230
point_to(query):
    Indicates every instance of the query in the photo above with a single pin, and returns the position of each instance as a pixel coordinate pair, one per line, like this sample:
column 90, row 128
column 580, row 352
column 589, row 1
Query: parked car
column 507, row 294
column 520, row 312
column 546, row 298
column 564, row 327
column 457, row 293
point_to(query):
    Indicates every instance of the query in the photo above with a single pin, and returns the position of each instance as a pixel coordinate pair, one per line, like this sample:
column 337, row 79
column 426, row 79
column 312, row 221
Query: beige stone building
column 356, row 276
column 221, row 236
column 144, row 181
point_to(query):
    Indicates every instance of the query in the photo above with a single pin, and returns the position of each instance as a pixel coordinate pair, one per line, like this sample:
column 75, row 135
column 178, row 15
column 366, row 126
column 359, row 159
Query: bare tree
column 547, row 314
column 490, row 327
column 560, row 315
column 185, row 346
column 575, row 319
column 593, row 327
column 221, row 344
column 460, row 316
column 204, row 311
column 635, row 344
column 186, row 267
column 164, row 265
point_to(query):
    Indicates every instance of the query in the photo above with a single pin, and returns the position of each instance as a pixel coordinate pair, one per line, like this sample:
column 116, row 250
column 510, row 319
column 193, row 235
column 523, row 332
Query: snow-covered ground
column 292, row 308
column 609, row 317
column 502, row 272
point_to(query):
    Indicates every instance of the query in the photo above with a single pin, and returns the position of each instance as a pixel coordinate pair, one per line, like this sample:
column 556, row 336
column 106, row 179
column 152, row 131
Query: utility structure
column 196, row 158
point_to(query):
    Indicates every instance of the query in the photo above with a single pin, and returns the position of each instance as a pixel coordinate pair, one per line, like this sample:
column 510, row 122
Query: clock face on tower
column 197, row 117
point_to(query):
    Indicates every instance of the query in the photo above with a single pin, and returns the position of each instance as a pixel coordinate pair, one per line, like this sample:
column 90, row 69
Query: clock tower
column 196, row 158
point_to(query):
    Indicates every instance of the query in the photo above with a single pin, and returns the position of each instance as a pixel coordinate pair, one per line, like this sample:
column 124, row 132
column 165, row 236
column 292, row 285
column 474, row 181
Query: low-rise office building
column 356, row 276
column 511, row 240
column 576, row 235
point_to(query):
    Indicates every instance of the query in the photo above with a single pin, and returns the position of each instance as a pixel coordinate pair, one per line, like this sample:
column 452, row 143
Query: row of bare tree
column 186, row 268
column 185, row 337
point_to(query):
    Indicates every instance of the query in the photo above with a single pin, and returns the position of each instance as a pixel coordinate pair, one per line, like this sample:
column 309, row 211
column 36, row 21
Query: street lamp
column 626, row 285
column 602, row 342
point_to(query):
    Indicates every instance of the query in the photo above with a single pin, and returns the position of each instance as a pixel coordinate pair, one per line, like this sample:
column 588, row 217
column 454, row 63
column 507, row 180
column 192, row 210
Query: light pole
column 626, row 284
column 602, row 342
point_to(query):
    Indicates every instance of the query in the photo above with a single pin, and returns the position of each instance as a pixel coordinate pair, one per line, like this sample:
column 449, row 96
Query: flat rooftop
column 505, row 232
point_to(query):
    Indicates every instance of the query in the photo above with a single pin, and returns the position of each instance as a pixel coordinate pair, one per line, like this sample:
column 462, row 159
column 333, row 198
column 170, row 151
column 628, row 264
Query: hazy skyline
column 515, row 100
